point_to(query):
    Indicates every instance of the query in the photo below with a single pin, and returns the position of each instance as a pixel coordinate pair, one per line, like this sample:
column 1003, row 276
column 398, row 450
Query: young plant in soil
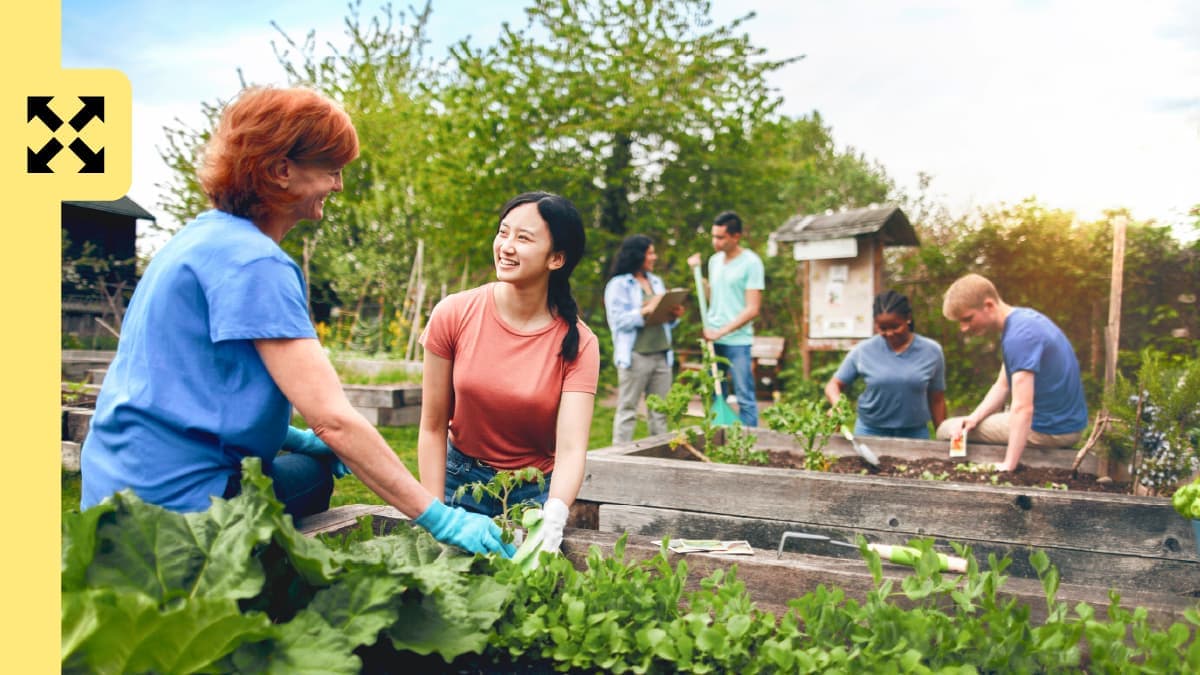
column 500, row 487
column 738, row 445
column 812, row 423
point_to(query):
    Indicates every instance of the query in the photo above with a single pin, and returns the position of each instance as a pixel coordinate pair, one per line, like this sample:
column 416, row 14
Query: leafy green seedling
column 500, row 487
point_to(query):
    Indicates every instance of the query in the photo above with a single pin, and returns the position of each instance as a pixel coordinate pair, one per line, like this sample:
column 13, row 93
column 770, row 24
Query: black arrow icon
column 93, row 106
column 93, row 162
column 39, row 162
column 39, row 107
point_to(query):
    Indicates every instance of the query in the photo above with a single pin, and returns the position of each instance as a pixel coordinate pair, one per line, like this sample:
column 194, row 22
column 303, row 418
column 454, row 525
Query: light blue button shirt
column 623, row 308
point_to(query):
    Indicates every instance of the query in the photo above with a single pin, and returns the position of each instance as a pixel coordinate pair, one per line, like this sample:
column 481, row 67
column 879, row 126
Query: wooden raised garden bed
column 772, row 579
column 1095, row 539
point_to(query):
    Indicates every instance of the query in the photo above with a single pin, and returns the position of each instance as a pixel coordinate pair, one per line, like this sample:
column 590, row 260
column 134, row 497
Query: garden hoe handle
column 699, row 278
column 906, row 555
column 700, row 295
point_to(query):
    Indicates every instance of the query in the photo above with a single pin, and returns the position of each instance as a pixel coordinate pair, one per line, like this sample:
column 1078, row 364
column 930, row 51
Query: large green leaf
column 79, row 544
column 360, row 605
column 110, row 631
column 306, row 644
column 451, row 620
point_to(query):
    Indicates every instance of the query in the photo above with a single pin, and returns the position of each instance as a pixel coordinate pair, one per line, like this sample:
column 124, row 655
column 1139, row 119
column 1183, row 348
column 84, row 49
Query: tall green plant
column 1157, row 420
column 812, row 423
column 737, row 444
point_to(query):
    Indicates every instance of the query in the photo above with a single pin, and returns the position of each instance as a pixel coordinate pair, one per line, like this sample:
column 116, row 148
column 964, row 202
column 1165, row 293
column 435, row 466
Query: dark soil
column 933, row 468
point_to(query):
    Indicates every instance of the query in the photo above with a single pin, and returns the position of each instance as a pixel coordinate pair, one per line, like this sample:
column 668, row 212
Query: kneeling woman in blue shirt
column 905, row 375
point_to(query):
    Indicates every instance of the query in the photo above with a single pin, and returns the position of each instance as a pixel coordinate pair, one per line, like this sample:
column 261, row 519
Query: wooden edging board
column 1086, row 568
column 648, row 473
column 772, row 581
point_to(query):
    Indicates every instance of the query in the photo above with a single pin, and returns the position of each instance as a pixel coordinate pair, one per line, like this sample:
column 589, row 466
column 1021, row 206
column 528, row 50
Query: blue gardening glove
column 471, row 531
column 306, row 442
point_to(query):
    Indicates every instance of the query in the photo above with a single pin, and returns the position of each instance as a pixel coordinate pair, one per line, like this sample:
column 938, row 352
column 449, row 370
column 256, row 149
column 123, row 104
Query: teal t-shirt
column 728, row 283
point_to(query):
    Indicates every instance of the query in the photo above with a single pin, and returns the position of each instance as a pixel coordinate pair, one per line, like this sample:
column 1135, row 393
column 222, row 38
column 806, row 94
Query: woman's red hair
column 259, row 128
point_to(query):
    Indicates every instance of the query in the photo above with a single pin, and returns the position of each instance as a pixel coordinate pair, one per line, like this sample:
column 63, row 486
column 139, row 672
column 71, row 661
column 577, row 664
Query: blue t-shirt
column 728, row 283
column 1032, row 342
column 187, row 396
column 898, row 385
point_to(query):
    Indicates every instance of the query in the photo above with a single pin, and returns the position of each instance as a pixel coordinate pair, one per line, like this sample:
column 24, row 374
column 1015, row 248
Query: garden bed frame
column 773, row 579
column 1099, row 540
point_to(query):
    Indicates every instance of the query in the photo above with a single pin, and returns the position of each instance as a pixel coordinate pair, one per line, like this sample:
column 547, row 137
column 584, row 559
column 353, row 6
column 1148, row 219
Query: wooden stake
column 1112, row 333
column 1098, row 429
column 699, row 455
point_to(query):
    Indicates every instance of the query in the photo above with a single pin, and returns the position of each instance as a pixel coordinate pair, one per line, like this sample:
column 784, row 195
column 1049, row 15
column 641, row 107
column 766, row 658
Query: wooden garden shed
column 97, row 230
column 841, row 272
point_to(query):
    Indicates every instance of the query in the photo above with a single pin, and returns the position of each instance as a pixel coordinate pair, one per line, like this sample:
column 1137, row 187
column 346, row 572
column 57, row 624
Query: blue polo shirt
column 187, row 396
column 898, row 385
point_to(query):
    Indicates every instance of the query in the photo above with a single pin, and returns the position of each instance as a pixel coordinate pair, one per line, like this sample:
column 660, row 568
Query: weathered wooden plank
column 371, row 414
column 911, row 449
column 70, row 456
column 76, row 422
column 903, row 448
column 1122, row 524
column 771, row 582
column 339, row 518
column 374, row 395
column 1103, row 570
column 399, row 417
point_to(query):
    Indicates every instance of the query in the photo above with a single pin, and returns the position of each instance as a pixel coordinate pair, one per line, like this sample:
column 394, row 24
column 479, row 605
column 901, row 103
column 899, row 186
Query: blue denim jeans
column 861, row 429
column 743, row 380
column 463, row 470
column 303, row 483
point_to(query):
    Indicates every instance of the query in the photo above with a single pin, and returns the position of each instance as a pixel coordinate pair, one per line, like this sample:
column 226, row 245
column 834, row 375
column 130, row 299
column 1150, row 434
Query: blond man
column 1040, row 374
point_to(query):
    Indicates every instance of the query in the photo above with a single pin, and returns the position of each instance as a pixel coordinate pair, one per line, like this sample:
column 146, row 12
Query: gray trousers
column 646, row 374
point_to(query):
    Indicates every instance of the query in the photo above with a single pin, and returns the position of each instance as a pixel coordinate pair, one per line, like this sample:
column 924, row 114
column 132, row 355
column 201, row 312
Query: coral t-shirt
column 507, row 383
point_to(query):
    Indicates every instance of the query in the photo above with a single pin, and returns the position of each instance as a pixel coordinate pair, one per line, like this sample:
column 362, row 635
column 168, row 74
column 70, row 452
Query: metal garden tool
column 724, row 415
column 861, row 448
column 903, row 555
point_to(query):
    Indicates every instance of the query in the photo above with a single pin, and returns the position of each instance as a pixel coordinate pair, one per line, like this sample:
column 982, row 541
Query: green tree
column 642, row 112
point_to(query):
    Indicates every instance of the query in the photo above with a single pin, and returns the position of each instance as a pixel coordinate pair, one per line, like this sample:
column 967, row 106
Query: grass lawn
column 350, row 490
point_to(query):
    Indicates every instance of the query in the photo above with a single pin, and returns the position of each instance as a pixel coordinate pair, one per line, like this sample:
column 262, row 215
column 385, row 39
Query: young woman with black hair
column 642, row 353
column 905, row 375
column 510, row 371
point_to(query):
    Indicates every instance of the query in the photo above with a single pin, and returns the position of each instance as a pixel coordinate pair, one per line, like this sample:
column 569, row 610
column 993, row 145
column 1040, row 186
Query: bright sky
column 1085, row 105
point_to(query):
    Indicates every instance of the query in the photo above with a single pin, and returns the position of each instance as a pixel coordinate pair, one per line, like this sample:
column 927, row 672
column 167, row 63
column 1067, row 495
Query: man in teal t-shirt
column 736, row 282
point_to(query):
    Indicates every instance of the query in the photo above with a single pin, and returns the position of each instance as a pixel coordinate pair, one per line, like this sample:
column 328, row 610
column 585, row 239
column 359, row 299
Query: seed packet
column 958, row 446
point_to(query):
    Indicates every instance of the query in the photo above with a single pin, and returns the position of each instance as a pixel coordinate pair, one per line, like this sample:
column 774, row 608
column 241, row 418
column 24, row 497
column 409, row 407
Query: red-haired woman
column 217, row 345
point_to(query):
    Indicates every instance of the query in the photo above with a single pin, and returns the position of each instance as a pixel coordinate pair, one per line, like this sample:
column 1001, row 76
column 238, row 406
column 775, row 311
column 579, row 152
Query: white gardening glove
column 554, row 519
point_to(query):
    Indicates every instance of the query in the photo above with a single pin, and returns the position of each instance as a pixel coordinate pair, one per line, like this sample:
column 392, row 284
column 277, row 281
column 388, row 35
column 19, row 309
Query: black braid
column 891, row 302
column 563, row 304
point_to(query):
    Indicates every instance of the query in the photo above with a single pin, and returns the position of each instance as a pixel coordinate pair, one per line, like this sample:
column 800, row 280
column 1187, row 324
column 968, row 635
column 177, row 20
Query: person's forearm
column 937, row 407
column 431, row 460
column 1020, row 420
column 746, row 316
column 833, row 391
column 360, row 447
column 992, row 402
column 305, row 376
column 568, row 474
column 571, row 442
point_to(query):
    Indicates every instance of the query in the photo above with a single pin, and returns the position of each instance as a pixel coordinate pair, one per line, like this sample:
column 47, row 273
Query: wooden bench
column 766, row 353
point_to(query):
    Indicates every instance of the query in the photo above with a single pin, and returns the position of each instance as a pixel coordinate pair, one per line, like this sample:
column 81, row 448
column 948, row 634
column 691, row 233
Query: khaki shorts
column 994, row 429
